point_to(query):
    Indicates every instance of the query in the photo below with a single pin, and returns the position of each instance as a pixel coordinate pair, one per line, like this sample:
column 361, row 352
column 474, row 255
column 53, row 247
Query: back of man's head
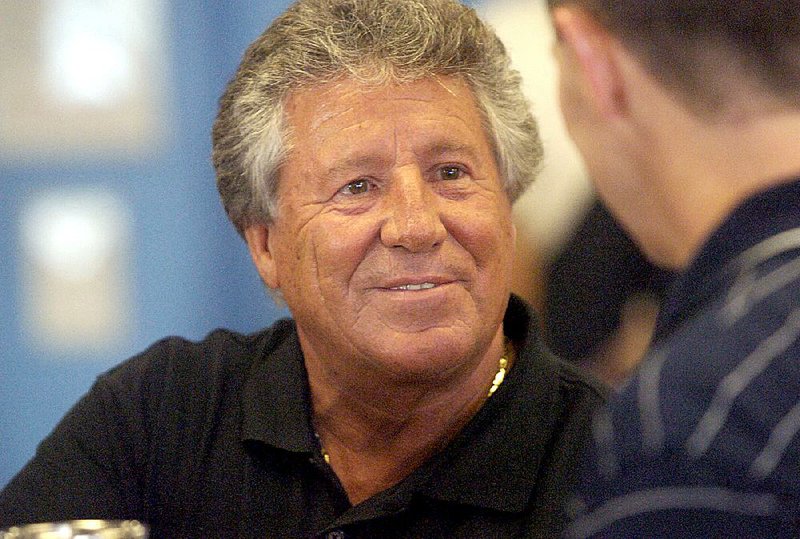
column 703, row 49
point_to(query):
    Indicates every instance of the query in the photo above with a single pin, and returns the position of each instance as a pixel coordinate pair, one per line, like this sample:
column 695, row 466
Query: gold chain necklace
column 502, row 369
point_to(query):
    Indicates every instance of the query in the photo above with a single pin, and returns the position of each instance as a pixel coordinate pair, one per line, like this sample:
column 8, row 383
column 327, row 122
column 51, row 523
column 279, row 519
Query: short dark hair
column 695, row 47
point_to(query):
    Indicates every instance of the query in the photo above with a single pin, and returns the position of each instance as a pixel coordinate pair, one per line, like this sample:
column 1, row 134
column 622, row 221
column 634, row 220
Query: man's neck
column 711, row 168
column 376, row 433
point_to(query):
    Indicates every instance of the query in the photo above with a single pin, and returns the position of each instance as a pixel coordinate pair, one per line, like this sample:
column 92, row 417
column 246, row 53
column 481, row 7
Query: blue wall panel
column 191, row 272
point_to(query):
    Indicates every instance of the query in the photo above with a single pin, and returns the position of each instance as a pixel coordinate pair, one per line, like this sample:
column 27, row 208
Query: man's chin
column 426, row 353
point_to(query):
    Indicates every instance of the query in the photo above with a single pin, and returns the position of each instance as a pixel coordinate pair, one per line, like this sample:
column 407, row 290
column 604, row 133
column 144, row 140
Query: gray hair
column 373, row 42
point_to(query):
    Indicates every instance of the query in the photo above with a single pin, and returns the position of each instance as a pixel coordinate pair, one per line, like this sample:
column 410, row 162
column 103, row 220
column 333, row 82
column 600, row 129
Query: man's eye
column 450, row 173
column 357, row 187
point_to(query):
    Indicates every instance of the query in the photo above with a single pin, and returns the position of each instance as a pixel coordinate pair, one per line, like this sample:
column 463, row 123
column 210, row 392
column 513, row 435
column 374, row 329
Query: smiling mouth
column 420, row 286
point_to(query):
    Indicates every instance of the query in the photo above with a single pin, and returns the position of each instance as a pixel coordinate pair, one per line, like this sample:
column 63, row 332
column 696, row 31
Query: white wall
column 548, row 211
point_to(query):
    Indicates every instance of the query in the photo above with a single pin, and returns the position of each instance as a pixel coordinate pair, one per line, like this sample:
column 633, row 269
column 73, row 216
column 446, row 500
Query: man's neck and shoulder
column 728, row 327
column 748, row 172
column 763, row 219
column 721, row 177
column 727, row 338
column 543, row 408
column 520, row 450
column 697, row 163
column 746, row 263
column 249, row 352
column 710, row 168
column 550, row 399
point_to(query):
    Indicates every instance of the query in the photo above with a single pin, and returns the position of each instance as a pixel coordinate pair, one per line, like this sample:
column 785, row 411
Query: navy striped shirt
column 704, row 440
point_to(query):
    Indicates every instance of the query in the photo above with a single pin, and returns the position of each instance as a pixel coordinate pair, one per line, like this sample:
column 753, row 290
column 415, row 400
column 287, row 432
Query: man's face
column 393, row 240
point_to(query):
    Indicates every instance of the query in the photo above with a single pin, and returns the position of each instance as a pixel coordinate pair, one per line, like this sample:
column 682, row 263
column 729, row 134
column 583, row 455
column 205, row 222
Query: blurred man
column 369, row 152
column 688, row 115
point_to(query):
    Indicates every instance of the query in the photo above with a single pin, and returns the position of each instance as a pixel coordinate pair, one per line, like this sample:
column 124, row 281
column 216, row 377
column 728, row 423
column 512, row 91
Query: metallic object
column 79, row 529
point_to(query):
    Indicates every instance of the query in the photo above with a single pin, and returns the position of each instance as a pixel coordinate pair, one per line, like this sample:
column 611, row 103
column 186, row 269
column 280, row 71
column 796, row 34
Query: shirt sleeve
column 85, row 469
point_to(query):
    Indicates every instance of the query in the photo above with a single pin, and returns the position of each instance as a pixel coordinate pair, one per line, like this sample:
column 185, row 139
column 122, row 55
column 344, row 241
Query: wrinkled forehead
column 329, row 95
column 350, row 102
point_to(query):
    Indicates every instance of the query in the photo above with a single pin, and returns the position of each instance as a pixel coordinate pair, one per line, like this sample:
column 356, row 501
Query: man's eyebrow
column 348, row 164
column 446, row 147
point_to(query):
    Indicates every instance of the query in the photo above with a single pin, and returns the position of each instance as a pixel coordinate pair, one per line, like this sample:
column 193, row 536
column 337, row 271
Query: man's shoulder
column 756, row 328
column 719, row 387
column 176, row 363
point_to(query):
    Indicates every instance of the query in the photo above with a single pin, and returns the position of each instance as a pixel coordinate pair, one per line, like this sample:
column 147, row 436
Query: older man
column 368, row 151
column 688, row 114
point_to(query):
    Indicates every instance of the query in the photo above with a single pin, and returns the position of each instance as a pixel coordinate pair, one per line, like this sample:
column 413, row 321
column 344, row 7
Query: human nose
column 412, row 218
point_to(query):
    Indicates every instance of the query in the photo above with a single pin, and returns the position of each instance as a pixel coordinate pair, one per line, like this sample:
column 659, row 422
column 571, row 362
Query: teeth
column 421, row 286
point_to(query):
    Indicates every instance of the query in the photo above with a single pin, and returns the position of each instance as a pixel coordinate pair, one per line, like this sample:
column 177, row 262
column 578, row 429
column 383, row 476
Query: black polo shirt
column 214, row 439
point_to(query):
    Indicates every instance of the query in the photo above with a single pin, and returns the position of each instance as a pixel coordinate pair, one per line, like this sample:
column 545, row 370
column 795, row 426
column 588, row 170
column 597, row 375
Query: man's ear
column 257, row 237
column 593, row 54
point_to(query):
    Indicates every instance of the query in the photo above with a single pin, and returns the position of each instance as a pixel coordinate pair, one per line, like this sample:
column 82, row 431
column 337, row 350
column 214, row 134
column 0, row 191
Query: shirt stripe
column 779, row 439
column 603, row 431
column 737, row 381
column 743, row 297
column 649, row 408
column 671, row 498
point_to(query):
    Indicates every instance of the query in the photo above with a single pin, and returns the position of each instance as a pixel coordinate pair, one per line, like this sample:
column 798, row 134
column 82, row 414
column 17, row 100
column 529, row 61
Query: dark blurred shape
column 597, row 273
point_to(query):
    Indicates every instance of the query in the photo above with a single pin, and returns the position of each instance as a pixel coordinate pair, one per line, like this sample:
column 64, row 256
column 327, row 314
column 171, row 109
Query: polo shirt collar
column 756, row 219
column 276, row 398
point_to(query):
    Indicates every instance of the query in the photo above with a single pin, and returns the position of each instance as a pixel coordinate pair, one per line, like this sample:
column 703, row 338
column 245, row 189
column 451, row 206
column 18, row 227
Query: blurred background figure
column 602, row 296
